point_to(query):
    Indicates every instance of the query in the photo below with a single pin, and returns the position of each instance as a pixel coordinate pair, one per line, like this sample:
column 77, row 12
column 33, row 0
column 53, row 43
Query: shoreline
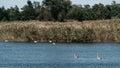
column 8, row 41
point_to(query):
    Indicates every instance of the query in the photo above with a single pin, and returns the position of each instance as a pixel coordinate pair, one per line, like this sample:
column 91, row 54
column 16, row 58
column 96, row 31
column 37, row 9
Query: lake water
column 47, row 55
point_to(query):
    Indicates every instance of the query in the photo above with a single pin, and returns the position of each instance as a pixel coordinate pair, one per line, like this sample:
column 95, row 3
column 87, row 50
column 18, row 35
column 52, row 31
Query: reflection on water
column 47, row 55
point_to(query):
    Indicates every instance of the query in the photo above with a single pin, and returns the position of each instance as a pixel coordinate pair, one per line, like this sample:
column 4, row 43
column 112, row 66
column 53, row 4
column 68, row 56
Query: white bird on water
column 53, row 43
column 98, row 57
column 6, row 40
column 35, row 41
column 50, row 41
column 76, row 56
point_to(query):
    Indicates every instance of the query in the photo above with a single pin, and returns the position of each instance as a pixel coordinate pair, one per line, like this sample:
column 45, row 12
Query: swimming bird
column 53, row 43
column 35, row 41
column 50, row 41
column 98, row 57
column 76, row 56
column 6, row 40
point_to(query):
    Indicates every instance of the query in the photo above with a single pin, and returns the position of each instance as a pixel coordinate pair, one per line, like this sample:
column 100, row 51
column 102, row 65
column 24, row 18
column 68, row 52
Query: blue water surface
column 60, row 55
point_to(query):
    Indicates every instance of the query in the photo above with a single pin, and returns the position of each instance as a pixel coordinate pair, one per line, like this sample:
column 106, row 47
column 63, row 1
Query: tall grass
column 87, row 31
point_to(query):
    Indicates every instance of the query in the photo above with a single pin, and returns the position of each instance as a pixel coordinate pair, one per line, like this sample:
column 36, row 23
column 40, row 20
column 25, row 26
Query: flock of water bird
column 98, row 57
column 49, row 42
column 36, row 42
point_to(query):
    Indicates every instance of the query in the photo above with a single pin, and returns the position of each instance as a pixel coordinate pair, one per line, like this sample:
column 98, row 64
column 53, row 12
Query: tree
column 115, row 9
column 28, row 12
column 4, row 14
column 76, row 13
column 60, row 10
column 46, row 14
column 57, row 8
column 14, row 13
column 2, row 9
column 98, row 10
column 108, row 10
column 36, row 4
column 87, row 13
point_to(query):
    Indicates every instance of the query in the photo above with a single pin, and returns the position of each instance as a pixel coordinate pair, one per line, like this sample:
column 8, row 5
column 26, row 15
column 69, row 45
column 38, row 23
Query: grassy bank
column 87, row 31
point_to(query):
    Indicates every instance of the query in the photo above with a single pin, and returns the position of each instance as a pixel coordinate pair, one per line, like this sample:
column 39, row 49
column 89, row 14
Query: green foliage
column 14, row 13
column 4, row 14
column 28, row 12
column 60, row 10
column 76, row 12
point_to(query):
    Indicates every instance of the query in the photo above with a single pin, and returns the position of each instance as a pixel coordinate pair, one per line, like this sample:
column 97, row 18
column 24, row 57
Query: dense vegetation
column 24, row 25
column 86, row 31
column 59, row 10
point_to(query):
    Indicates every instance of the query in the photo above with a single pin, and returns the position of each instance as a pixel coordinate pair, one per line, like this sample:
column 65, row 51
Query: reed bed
column 77, row 32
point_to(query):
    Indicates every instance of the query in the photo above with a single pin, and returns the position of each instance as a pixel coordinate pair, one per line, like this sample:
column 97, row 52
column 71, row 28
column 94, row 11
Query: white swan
column 53, row 43
column 6, row 40
column 35, row 41
column 76, row 56
column 98, row 57
column 50, row 41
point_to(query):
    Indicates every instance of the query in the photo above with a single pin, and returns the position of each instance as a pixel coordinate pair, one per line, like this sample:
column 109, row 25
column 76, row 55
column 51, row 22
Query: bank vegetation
column 73, row 31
